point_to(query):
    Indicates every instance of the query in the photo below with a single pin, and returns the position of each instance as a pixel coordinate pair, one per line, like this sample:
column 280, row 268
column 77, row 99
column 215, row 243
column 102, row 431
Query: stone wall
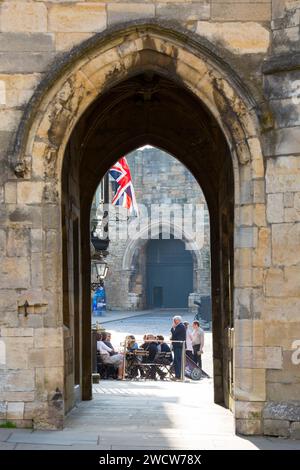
column 158, row 179
column 249, row 53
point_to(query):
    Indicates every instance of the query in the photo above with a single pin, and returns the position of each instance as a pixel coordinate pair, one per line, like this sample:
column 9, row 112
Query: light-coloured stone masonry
column 259, row 42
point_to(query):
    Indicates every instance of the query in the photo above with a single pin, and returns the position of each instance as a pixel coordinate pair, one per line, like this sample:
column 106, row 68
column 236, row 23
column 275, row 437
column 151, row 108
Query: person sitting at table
column 150, row 345
column 106, row 338
column 117, row 359
column 132, row 360
column 131, row 343
column 162, row 359
column 162, row 346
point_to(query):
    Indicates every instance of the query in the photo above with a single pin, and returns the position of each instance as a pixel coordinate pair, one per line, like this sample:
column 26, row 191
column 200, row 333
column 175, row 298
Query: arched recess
column 137, row 244
column 68, row 120
column 155, row 229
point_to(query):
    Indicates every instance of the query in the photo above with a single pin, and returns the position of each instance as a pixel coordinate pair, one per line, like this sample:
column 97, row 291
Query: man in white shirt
column 117, row 360
column 188, row 341
column 198, row 342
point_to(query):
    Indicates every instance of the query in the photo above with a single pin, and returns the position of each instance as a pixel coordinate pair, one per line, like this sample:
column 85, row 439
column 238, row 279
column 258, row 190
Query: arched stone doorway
column 169, row 273
column 135, row 251
column 147, row 84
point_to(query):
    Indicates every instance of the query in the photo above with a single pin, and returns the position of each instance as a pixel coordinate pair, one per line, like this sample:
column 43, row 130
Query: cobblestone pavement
column 146, row 414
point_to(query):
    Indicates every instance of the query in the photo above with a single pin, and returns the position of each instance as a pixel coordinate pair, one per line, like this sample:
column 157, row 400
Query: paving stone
column 4, row 434
column 7, row 446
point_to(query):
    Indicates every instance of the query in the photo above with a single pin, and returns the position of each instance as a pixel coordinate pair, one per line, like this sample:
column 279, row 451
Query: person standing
column 189, row 341
column 198, row 342
column 178, row 336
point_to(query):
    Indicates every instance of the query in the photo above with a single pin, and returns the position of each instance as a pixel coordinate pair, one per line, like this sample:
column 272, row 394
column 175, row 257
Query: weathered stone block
column 262, row 253
column 17, row 396
column 286, row 112
column 3, row 408
column 283, row 391
column 15, row 410
column 6, row 139
column 17, row 352
column 290, row 372
column 288, row 199
column 36, row 269
column 246, row 237
column 281, row 142
column 276, row 427
column 286, row 40
column 184, row 11
column 250, row 384
column 283, row 174
column 52, row 241
column 29, row 192
column 28, row 215
column 18, row 242
column 259, row 191
column 10, row 189
column 282, row 411
column 50, row 271
column 2, row 242
column 48, row 338
column 26, row 42
column 239, row 38
column 25, row 62
column 286, row 244
column 282, row 85
column 65, row 41
column 275, row 213
column 258, row 357
column 51, row 217
column 248, row 410
column 228, row 11
column 243, row 301
column 53, row 378
column 50, row 357
column 82, row 17
column 259, row 215
column 276, row 309
column 118, row 12
column 283, row 282
column 9, row 119
column 246, row 214
column 17, row 381
column 8, row 269
column 295, row 430
column 16, row 332
column 249, row 332
column 281, row 333
column 35, row 409
column 36, row 238
column 23, row 16
column 248, row 427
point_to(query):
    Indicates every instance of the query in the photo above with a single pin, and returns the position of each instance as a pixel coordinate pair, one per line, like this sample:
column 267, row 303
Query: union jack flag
column 124, row 194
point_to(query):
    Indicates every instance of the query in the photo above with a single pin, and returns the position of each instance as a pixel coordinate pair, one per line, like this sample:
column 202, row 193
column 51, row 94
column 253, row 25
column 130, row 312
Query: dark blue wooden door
column 169, row 274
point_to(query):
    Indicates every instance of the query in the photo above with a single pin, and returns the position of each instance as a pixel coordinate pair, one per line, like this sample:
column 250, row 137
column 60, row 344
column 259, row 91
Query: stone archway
column 137, row 244
column 43, row 147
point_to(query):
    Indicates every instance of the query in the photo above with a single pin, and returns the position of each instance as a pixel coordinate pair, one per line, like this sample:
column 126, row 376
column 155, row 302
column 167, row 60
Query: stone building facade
column 159, row 180
column 213, row 82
